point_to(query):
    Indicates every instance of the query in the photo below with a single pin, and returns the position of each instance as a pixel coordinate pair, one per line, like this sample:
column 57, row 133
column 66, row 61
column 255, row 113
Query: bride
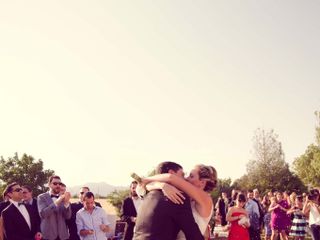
column 201, row 181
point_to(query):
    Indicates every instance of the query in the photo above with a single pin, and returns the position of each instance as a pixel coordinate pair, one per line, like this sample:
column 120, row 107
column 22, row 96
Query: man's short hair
column 63, row 185
column 27, row 187
column 164, row 167
column 88, row 195
column 86, row 188
column 9, row 188
column 54, row 177
column 133, row 182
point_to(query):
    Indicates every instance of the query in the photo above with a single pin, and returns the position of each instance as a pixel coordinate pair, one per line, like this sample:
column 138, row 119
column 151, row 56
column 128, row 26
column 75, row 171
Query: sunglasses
column 57, row 183
column 17, row 190
column 81, row 193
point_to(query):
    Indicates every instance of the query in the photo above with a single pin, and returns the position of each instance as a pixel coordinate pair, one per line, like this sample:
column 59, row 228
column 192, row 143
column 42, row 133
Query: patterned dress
column 299, row 224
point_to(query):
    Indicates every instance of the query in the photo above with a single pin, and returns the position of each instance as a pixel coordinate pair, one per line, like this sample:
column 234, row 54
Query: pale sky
column 99, row 89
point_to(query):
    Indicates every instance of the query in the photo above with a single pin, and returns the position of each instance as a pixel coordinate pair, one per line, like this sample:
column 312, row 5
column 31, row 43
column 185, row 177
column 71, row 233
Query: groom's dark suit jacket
column 16, row 227
column 160, row 219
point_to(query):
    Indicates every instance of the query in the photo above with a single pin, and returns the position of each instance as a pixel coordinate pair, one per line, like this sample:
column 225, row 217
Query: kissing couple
column 175, row 207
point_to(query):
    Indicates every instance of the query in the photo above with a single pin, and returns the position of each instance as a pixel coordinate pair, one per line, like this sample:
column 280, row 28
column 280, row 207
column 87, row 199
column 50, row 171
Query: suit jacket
column 261, row 212
column 35, row 212
column 71, row 222
column 16, row 227
column 3, row 205
column 53, row 218
column 128, row 210
column 160, row 219
column 222, row 208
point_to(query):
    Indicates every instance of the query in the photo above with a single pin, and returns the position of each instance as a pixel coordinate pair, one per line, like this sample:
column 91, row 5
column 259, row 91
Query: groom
column 160, row 219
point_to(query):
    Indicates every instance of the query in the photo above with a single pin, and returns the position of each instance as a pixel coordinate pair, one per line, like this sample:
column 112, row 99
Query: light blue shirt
column 253, row 212
column 92, row 221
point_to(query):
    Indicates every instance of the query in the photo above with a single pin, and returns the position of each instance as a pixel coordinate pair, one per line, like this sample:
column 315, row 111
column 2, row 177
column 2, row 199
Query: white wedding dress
column 202, row 222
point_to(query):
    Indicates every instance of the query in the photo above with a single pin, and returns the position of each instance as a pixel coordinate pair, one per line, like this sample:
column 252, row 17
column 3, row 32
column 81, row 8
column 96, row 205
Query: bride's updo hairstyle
column 209, row 174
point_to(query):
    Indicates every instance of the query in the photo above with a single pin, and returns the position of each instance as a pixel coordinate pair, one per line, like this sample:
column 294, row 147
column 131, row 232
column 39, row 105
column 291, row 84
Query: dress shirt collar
column 17, row 204
column 53, row 195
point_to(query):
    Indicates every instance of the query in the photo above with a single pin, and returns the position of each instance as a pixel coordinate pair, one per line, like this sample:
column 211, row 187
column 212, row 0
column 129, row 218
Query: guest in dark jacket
column 129, row 210
column 19, row 221
column 30, row 201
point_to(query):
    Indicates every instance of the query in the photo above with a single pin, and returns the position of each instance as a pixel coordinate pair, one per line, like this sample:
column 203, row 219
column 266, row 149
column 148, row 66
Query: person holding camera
column 312, row 208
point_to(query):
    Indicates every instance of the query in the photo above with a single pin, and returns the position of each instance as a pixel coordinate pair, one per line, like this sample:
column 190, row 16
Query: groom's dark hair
column 164, row 167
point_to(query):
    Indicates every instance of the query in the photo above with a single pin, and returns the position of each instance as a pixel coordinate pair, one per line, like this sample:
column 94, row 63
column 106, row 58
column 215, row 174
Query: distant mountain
column 101, row 188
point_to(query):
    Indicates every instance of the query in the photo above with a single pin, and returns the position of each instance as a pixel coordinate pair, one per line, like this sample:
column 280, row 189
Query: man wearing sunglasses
column 54, row 209
column 18, row 220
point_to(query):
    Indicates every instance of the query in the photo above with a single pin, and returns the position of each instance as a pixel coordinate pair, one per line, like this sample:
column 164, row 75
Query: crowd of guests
column 275, row 215
column 245, row 215
column 164, row 213
column 51, row 216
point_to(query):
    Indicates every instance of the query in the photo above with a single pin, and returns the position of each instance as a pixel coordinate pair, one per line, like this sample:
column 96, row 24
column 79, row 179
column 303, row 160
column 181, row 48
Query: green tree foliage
column 116, row 198
column 307, row 166
column 224, row 185
column 241, row 183
column 25, row 171
column 268, row 169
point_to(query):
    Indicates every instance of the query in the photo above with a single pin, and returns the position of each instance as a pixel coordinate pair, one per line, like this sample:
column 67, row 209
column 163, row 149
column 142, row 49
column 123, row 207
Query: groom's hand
column 173, row 194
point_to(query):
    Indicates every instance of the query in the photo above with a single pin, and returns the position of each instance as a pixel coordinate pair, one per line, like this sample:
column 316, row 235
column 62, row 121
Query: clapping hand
column 67, row 196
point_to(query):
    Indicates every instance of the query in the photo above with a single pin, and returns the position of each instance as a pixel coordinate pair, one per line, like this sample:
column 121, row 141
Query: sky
column 100, row 89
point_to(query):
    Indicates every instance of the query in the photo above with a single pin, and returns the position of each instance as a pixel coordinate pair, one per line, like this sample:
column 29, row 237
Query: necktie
column 20, row 203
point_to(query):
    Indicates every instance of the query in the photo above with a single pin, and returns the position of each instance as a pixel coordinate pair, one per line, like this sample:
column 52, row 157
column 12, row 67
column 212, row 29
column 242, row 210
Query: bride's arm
column 200, row 196
column 171, row 192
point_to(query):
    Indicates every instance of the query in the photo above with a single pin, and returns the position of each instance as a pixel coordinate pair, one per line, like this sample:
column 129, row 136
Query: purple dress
column 279, row 219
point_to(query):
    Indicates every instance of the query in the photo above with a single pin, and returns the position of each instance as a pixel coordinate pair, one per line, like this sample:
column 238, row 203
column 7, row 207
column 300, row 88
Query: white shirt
column 252, row 208
column 314, row 216
column 137, row 203
column 92, row 221
column 24, row 212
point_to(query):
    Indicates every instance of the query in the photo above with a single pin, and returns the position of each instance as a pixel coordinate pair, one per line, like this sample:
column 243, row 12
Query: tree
column 241, row 183
column 116, row 198
column 224, row 185
column 307, row 166
column 268, row 169
column 25, row 171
